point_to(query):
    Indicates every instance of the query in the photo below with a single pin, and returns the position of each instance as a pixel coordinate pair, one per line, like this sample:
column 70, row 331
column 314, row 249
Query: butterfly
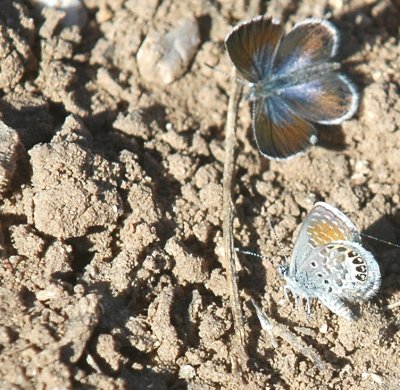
column 293, row 82
column 329, row 263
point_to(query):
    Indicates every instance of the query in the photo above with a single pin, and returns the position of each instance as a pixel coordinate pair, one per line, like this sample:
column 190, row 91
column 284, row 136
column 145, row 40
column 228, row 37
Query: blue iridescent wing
column 311, row 42
column 330, row 98
column 252, row 46
column 280, row 133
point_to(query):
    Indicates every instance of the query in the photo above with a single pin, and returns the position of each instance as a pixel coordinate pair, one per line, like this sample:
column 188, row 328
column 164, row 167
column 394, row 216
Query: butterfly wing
column 323, row 225
column 343, row 268
column 311, row 42
column 328, row 99
column 279, row 131
column 252, row 46
column 339, row 273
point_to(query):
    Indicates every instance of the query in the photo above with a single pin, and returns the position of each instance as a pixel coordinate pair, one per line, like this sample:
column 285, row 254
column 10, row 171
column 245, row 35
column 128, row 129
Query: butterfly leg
column 296, row 300
column 308, row 305
column 287, row 289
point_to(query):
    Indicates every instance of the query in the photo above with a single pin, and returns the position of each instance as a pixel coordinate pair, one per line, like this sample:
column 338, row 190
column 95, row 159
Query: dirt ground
column 112, row 269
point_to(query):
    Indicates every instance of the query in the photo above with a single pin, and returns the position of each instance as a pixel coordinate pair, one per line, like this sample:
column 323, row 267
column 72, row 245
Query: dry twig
column 228, row 211
column 391, row 306
column 279, row 330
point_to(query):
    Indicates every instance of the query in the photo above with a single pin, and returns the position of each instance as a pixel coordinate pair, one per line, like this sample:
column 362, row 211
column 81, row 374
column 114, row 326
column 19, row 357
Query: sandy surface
column 112, row 271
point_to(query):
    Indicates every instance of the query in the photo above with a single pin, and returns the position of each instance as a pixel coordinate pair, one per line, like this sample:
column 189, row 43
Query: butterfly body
column 277, row 84
column 330, row 264
column 293, row 82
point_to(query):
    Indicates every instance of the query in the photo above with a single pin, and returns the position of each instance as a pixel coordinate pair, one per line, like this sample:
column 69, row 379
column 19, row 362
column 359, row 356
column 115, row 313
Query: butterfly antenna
column 251, row 253
column 237, row 79
column 278, row 241
column 255, row 254
column 380, row 240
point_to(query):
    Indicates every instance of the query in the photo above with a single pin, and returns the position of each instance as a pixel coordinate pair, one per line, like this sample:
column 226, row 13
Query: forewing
column 330, row 99
column 310, row 42
column 280, row 133
column 323, row 225
column 252, row 46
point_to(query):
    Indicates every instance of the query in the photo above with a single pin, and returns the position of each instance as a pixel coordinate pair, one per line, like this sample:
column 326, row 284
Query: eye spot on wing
column 361, row 268
column 358, row 260
column 361, row 277
column 313, row 139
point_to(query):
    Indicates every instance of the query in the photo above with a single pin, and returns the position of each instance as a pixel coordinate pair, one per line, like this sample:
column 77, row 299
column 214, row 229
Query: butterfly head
column 255, row 91
column 283, row 270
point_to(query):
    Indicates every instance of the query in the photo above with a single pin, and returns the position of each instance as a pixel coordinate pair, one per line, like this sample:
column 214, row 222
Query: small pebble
column 187, row 372
column 323, row 328
column 376, row 378
column 75, row 12
column 10, row 148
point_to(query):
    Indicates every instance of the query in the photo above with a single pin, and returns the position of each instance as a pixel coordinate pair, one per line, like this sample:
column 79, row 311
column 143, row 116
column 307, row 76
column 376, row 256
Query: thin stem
column 228, row 214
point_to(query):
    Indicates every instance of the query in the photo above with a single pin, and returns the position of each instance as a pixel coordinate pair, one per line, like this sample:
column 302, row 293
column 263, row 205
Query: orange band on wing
column 322, row 233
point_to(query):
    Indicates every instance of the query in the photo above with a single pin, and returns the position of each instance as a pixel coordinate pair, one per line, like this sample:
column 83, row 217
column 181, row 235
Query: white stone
column 167, row 57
